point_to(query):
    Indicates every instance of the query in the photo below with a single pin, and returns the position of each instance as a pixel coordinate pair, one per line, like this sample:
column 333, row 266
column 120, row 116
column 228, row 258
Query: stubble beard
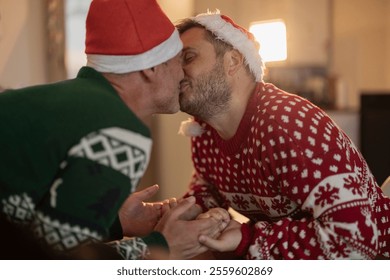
column 210, row 95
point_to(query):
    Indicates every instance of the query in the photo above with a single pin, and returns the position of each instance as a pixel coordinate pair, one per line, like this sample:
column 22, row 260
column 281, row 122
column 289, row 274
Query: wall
column 361, row 50
column 75, row 13
column 22, row 43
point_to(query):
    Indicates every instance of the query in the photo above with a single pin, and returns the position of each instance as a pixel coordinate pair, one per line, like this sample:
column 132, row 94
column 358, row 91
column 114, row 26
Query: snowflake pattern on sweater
column 293, row 172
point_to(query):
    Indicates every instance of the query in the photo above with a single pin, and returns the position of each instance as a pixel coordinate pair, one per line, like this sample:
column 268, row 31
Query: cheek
column 190, row 71
column 177, row 73
column 197, row 68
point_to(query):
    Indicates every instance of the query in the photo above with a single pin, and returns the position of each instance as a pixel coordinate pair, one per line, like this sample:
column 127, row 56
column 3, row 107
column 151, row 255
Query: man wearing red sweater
column 272, row 156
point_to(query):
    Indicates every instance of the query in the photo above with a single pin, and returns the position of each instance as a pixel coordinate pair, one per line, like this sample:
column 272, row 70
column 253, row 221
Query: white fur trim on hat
column 190, row 128
column 226, row 32
column 120, row 64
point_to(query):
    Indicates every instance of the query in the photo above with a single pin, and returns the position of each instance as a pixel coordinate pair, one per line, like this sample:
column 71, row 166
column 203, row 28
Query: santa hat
column 129, row 35
column 225, row 29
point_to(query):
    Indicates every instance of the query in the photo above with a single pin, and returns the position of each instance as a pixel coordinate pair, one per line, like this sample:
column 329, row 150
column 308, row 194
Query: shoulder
column 284, row 107
column 274, row 99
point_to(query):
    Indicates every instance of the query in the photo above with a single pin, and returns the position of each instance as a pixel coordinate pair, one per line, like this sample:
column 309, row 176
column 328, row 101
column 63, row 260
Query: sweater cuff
column 247, row 234
column 156, row 239
column 115, row 231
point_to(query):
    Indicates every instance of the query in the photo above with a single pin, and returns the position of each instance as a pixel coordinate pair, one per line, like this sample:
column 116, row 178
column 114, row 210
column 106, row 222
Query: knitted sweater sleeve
column 326, row 199
column 206, row 194
column 81, row 204
column 136, row 248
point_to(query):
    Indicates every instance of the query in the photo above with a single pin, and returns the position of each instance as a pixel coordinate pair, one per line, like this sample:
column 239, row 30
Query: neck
column 227, row 123
column 132, row 91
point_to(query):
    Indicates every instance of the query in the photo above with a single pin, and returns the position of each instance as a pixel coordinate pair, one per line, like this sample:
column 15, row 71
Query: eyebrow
column 187, row 49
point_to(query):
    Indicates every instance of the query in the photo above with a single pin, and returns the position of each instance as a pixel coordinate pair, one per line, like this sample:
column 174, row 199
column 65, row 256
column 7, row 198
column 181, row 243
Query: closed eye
column 188, row 57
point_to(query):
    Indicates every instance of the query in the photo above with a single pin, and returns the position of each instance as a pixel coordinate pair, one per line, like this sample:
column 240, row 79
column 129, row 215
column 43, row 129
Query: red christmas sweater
column 292, row 171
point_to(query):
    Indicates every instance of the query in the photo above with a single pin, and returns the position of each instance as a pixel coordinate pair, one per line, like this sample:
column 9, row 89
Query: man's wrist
column 247, row 234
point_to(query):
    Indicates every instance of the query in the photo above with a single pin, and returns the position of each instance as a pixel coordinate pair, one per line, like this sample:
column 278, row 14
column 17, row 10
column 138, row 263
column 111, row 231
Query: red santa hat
column 129, row 35
column 225, row 29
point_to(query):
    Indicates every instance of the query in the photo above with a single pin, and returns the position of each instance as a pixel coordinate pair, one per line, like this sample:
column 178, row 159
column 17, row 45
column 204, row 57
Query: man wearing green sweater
column 72, row 152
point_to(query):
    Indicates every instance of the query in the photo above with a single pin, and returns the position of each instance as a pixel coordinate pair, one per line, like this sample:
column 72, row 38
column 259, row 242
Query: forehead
column 194, row 38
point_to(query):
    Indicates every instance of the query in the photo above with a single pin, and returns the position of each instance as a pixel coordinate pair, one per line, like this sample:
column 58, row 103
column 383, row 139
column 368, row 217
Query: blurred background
column 333, row 52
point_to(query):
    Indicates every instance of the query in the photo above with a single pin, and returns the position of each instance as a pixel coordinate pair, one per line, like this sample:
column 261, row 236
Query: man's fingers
column 225, row 214
column 213, row 244
column 182, row 207
column 147, row 193
column 172, row 202
column 191, row 213
column 165, row 207
column 216, row 213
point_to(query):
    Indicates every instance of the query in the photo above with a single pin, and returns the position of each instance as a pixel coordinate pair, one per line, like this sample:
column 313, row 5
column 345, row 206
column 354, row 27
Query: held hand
column 219, row 215
column 216, row 213
column 137, row 217
column 181, row 234
column 189, row 214
column 168, row 204
column 228, row 241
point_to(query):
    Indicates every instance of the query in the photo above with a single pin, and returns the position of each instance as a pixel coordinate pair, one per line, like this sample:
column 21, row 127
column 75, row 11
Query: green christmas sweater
column 71, row 153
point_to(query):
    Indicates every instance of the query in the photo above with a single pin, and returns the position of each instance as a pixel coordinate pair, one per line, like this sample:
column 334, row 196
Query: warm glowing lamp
column 272, row 38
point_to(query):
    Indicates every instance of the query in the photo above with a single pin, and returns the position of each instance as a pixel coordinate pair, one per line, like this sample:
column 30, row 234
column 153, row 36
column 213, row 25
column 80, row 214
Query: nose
column 184, row 68
column 181, row 73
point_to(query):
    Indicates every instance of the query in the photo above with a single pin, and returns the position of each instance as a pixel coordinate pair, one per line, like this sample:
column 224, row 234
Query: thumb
column 182, row 207
column 147, row 193
column 174, row 214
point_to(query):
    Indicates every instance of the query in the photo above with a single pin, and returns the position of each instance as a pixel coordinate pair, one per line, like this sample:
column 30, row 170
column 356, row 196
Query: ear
column 236, row 61
column 149, row 74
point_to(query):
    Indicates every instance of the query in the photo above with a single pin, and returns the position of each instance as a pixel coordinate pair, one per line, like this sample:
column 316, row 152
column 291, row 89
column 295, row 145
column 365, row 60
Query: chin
column 184, row 97
column 174, row 109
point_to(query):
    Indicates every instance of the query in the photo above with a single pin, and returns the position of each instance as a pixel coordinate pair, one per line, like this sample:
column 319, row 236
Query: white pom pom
column 190, row 128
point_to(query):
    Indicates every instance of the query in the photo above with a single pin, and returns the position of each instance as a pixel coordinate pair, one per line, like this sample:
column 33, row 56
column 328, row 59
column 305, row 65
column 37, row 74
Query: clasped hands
column 187, row 231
